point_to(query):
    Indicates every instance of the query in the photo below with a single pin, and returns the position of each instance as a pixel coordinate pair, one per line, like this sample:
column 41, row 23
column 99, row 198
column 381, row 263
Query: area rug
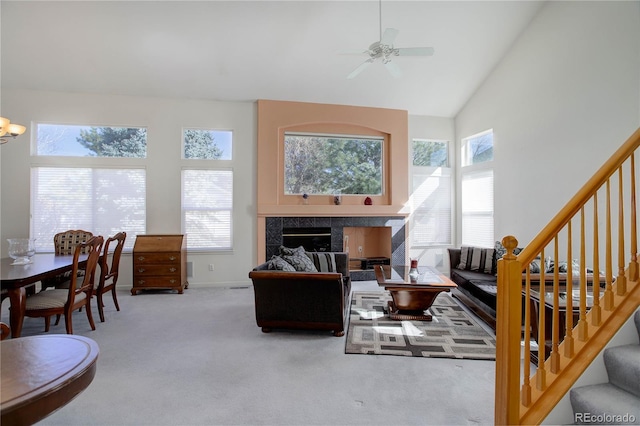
column 452, row 333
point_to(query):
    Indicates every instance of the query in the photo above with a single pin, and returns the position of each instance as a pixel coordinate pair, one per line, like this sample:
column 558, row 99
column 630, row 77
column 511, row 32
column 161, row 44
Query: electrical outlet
column 211, row 267
column 359, row 249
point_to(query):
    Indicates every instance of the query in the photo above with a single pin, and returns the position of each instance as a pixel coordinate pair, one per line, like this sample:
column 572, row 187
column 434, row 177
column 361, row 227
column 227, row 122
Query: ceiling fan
column 385, row 51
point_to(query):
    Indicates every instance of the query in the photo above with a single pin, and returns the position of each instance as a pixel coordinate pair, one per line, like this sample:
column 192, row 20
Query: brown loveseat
column 303, row 300
column 476, row 289
column 477, row 282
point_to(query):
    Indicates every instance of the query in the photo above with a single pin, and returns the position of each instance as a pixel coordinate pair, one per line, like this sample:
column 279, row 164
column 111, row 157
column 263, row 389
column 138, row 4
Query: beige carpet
column 199, row 358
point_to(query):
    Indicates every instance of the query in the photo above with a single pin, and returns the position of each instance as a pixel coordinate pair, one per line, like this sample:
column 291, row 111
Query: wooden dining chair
column 78, row 295
column 64, row 243
column 5, row 331
column 109, row 272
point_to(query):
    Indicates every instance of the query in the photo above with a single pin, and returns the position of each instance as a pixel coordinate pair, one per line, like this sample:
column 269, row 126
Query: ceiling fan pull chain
column 380, row 17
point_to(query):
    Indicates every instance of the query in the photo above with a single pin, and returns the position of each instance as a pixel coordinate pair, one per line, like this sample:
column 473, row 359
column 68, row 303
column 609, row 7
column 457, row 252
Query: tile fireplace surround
column 275, row 225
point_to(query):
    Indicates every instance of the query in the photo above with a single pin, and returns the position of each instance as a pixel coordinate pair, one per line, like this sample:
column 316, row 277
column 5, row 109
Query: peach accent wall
column 276, row 117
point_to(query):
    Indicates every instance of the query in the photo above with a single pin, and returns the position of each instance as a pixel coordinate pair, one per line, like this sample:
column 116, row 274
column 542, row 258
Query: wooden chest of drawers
column 160, row 262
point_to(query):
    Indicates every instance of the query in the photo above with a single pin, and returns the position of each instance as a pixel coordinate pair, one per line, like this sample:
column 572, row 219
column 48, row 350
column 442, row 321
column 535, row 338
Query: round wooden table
column 40, row 374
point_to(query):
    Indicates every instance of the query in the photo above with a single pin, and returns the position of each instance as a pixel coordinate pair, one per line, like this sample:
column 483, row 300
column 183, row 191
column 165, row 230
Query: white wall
column 564, row 98
column 164, row 119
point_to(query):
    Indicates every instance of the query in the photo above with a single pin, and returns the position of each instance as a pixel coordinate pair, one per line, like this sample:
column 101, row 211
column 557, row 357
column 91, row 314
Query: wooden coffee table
column 412, row 299
column 534, row 303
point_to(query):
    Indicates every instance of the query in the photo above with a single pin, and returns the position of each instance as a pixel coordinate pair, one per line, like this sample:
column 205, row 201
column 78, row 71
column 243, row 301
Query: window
column 207, row 190
column 430, row 153
column 104, row 201
column 103, row 195
column 431, row 194
column 330, row 164
column 87, row 141
column 477, row 149
column 477, row 190
column 207, row 144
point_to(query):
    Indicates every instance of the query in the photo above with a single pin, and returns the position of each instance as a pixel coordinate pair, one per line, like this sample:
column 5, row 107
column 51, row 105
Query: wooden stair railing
column 577, row 315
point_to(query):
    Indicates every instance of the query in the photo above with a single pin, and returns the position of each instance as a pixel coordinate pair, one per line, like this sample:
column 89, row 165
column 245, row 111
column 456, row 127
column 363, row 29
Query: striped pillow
column 476, row 259
column 324, row 262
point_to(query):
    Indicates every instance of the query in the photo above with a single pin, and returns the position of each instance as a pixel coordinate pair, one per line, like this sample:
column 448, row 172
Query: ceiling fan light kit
column 385, row 51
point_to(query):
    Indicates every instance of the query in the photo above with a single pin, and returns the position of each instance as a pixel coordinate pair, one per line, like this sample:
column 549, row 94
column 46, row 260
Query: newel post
column 508, row 313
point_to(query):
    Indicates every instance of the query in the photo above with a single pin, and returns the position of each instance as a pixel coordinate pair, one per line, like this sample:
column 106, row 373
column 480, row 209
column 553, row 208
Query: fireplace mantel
column 331, row 210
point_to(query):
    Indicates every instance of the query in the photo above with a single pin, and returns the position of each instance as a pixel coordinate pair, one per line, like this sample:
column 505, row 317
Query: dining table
column 14, row 279
column 40, row 374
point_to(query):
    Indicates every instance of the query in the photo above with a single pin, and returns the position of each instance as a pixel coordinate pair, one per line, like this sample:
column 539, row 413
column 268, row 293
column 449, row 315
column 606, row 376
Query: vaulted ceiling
column 247, row 50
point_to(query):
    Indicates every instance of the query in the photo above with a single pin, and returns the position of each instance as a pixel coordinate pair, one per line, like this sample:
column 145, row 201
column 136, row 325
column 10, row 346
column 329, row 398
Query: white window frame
column 481, row 170
column 192, row 164
column 231, row 151
column 437, row 173
column 94, row 163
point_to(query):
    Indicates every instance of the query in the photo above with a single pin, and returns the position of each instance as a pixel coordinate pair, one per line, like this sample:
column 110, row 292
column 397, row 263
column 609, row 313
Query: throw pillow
column 534, row 267
column 301, row 263
column 476, row 259
column 563, row 267
column 498, row 252
column 324, row 262
column 279, row 264
column 286, row 251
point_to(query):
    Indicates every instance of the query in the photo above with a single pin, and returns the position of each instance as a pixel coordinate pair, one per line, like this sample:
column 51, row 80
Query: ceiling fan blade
column 354, row 52
column 393, row 69
column 415, row 51
column 389, row 36
column 360, row 68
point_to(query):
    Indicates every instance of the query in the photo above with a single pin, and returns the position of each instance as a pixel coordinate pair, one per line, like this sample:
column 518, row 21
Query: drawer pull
column 141, row 270
column 172, row 269
column 172, row 281
column 140, row 258
column 172, row 258
column 140, row 282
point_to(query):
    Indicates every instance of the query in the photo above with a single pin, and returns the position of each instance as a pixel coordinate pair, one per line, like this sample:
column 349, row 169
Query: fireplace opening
column 312, row 239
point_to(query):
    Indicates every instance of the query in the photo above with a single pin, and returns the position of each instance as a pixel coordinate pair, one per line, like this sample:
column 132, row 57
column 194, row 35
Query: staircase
column 609, row 403
column 596, row 233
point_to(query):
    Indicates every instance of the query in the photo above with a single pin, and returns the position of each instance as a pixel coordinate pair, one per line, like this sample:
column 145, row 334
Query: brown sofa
column 477, row 290
column 303, row 300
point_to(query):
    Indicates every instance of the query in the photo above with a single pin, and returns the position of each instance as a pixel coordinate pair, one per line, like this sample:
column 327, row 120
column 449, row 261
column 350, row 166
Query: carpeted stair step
column 604, row 404
column 623, row 367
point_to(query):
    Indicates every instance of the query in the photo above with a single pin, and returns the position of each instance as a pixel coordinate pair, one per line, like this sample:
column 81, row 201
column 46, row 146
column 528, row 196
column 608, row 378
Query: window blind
column 103, row 201
column 431, row 219
column 477, row 208
column 207, row 203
